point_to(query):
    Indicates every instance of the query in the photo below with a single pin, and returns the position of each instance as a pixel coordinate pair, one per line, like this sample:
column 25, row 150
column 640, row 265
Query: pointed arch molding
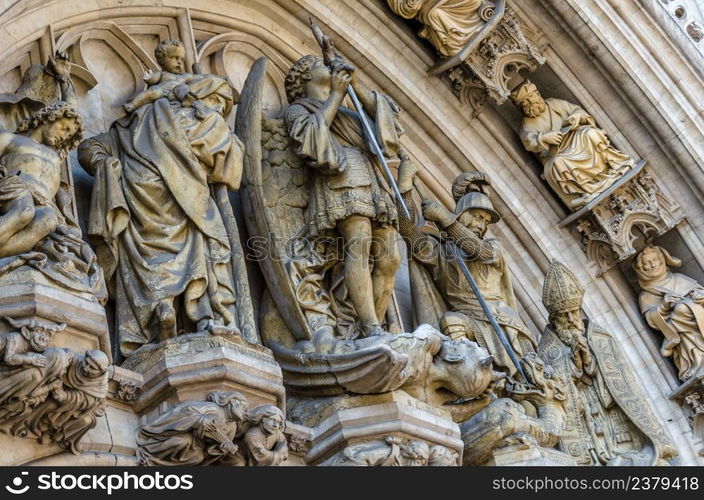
column 440, row 134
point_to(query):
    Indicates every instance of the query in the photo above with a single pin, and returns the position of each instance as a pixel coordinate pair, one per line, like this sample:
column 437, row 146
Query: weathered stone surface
column 529, row 456
column 186, row 368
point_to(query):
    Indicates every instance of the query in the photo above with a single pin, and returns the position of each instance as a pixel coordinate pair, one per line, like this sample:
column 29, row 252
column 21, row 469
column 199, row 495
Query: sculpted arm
column 16, row 352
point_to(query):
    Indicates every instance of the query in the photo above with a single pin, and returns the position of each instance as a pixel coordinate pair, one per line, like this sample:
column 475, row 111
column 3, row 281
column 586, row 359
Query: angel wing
column 274, row 196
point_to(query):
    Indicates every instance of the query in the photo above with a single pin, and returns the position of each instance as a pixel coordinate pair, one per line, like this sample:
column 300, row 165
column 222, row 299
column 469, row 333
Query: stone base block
column 378, row 425
column 523, row 455
column 186, row 368
column 86, row 324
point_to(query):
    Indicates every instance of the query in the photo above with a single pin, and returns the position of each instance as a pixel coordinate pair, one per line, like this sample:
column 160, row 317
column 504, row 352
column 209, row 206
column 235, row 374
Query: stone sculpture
column 394, row 451
column 349, row 195
column 441, row 293
column 673, row 304
column 196, row 433
column 159, row 232
column 609, row 421
column 219, row 431
column 449, row 24
column 578, row 159
column 38, row 231
column 48, row 393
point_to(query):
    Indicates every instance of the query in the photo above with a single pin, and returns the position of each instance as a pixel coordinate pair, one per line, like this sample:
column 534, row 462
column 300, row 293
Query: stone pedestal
column 343, row 426
column 690, row 396
column 187, row 368
column 523, row 455
column 86, row 325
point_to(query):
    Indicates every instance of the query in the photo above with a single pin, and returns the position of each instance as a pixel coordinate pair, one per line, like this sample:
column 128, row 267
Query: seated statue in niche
column 578, row 158
column 48, row 393
column 673, row 304
column 609, row 421
column 441, row 292
column 196, row 433
column 37, row 227
column 158, row 230
column 447, row 24
column 172, row 82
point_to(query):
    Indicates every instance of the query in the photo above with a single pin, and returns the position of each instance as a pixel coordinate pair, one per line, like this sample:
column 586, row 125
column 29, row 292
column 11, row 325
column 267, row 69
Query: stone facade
column 633, row 66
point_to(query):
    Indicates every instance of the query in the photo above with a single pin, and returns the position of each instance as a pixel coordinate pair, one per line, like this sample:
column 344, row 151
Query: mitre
column 561, row 291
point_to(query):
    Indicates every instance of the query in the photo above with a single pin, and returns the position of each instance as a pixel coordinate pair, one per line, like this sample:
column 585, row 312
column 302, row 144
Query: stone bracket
column 690, row 396
column 610, row 225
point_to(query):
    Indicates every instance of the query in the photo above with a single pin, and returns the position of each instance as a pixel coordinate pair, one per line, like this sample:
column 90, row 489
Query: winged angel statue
column 307, row 316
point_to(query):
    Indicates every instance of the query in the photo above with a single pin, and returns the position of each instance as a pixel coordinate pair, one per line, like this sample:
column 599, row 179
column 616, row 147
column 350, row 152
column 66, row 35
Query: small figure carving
column 31, row 335
column 673, row 304
column 449, row 24
column 466, row 228
column 394, row 451
column 196, row 433
column 609, row 421
column 54, row 394
column 579, row 161
column 171, row 83
column 265, row 442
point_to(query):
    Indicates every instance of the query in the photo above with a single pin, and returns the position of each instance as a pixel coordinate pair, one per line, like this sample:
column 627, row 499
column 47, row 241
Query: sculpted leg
column 27, row 237
column 387, row 258
column 357, row 233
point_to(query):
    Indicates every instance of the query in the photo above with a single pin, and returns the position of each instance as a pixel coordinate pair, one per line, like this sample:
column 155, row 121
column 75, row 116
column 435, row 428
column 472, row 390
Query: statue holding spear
column 352, row 192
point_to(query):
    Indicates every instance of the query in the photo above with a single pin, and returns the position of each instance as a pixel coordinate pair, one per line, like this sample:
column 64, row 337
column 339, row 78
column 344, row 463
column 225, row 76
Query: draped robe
column 158, row 233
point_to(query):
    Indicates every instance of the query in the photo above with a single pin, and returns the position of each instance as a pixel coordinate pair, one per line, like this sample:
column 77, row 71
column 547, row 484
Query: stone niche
column 614, row 225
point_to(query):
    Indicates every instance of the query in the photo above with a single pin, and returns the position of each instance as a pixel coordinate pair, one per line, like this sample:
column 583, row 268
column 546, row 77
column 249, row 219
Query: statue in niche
column 578, row 158
column 264, row 440
column 38, row 231
column 47, row 393
column 609, row 421
column 673, row 304
column 441, row 294
column 158, row 230
column 172, row 83
column 306, row 316
column 447, row 24
column 196, row 433
column 349, row 196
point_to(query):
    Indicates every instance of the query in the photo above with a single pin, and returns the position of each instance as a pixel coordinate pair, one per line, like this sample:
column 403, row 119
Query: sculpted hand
column 229, row 448
column 59, row 395
column 39, row 360
column 553, row 138
column 60, row 64
column 181, row 92
column 697, row 296
column 129, row 107
column 340, row 80
column 436, row 212
column 406, row 173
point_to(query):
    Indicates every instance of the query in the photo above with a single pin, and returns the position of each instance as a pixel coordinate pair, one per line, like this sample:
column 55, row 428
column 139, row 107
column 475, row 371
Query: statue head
column 233, row 401
column 473, row 207
column 270, row 417
column 528, row 98
column 307, row 70
column 651, row 264
column 37, row 332
column 562, row 297
column 171, row 56
column 94, row 364
column 57, row 125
